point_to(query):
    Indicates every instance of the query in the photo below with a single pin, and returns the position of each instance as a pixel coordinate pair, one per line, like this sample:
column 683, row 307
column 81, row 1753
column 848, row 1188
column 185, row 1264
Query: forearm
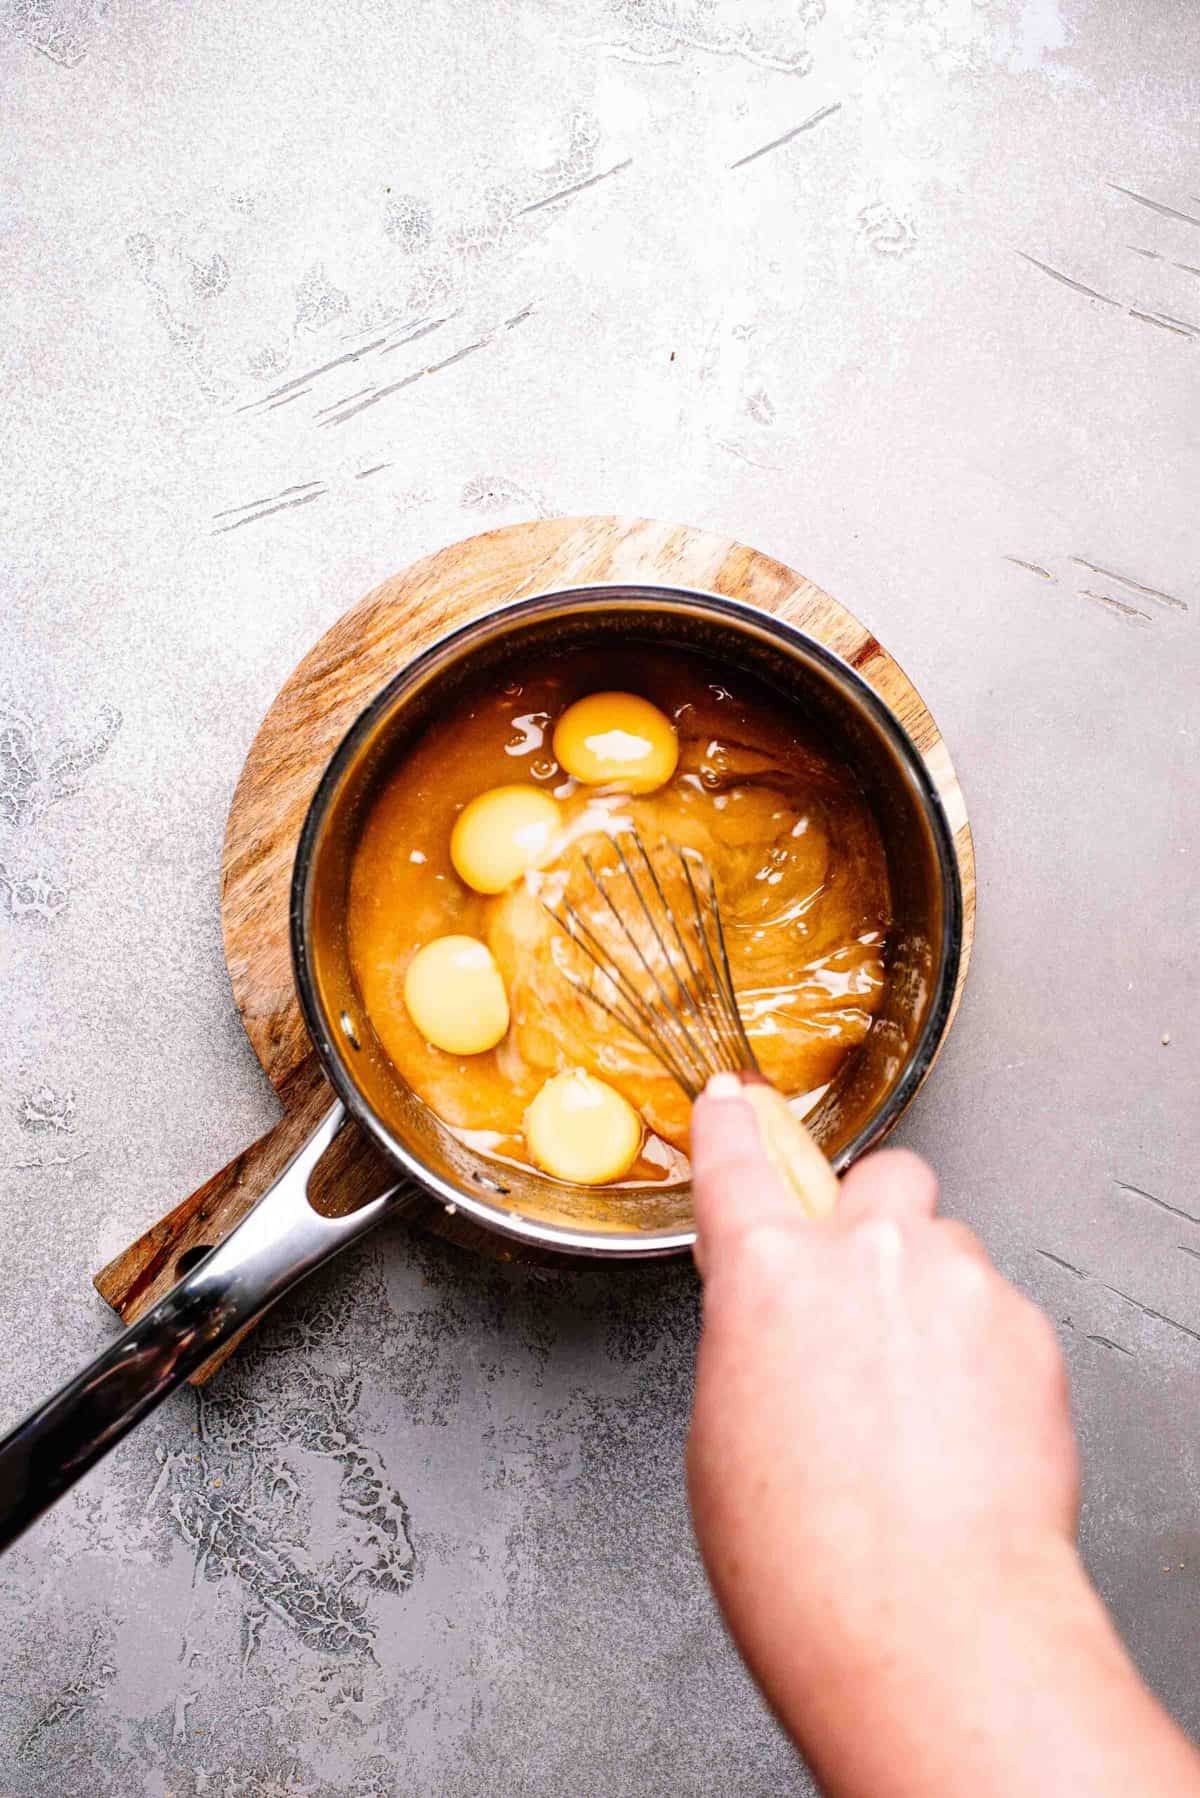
column 1027, row 1690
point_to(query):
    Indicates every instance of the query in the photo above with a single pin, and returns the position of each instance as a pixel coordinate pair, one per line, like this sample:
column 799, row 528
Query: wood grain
column 312, row 712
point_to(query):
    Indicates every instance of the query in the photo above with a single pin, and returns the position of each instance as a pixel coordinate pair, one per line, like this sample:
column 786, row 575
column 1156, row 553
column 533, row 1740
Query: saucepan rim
column 620, row 596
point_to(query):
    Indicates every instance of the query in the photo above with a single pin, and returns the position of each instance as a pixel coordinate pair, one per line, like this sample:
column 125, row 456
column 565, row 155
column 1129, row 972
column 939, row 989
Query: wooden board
column 312, row 712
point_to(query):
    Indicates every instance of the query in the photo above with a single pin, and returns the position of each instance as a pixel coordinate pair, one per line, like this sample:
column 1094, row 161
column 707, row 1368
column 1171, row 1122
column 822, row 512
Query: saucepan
column 284, row 1237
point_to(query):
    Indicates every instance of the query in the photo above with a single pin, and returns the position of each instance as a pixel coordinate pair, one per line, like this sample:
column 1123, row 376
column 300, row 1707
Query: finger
column 962, row 1239
column 893, row 1183
column 734, row 1185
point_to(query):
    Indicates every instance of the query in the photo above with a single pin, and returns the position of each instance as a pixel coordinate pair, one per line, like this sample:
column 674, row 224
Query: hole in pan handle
column 280, row 1241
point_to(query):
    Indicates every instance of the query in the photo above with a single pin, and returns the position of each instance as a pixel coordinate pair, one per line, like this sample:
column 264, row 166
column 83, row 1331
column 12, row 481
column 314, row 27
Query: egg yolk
column 580, row 1129
column 502, row 833
column 617, row 739
column 455, row 995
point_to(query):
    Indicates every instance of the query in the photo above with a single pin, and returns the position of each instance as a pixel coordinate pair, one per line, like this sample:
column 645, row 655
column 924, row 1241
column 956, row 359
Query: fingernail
column 724, row 1086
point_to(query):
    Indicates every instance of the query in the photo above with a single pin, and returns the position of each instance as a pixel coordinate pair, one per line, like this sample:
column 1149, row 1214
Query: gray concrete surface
column 904, row 291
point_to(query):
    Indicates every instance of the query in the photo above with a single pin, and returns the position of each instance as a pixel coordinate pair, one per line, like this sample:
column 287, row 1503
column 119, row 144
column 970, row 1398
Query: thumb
column 734, row 1185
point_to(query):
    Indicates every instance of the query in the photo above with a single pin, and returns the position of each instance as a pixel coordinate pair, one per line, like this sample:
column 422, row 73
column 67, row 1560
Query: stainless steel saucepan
column 284, row 1237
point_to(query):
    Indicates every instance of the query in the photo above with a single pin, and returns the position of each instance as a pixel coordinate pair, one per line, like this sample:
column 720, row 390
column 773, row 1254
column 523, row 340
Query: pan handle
column 274, row 1246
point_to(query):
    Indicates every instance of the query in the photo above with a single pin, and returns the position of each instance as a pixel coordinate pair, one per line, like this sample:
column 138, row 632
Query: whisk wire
column 687, row 997
column 693, row 999
column 673, row 995
column 685, row 1076
column 722, row 978
column 672, row 1021
column 585, row 938
column 633, row 1012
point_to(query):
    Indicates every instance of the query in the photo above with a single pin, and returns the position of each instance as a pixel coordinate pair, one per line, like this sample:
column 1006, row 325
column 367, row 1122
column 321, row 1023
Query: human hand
column 884, row 1486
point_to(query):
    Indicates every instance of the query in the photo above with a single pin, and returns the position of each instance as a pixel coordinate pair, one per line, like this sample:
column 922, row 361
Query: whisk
column 660, row 969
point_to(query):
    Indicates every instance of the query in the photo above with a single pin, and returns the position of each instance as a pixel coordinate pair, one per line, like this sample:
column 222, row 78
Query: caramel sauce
column 794, row 851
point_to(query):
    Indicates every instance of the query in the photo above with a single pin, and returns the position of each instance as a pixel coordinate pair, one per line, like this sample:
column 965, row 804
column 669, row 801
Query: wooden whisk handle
column 791, row 1148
